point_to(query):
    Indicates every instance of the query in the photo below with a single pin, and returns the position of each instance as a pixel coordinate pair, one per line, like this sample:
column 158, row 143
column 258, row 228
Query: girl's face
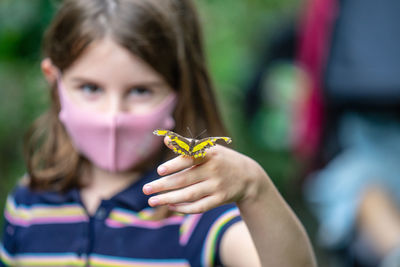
column 107, row 78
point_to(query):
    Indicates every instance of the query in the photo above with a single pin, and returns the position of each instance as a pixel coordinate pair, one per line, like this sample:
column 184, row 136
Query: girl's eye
column 90, row 89
column 140, row 91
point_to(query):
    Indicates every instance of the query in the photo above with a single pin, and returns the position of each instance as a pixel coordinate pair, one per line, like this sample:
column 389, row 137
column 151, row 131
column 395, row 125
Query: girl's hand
column 197, row 185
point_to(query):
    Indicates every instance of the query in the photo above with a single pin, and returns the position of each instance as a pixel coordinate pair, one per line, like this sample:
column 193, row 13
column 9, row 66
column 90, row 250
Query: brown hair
column 164, row 33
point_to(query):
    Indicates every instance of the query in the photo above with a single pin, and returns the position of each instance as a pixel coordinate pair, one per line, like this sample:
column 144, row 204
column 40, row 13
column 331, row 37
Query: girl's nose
column 116, row 104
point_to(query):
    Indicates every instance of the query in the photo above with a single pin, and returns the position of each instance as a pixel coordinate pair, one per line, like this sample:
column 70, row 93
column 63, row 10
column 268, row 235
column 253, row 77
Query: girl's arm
column 277, row 234
column 225, row 176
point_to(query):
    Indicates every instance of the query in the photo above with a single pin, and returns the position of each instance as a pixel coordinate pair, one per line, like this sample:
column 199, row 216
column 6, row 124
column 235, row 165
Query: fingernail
column 147, row 189
column 161, row 169
column 153, row 201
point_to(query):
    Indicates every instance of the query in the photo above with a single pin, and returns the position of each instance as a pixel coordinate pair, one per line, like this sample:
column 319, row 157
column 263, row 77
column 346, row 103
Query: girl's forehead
column 105, row 58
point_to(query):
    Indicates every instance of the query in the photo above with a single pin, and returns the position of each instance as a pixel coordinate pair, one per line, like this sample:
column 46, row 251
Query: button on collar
column 101, row 213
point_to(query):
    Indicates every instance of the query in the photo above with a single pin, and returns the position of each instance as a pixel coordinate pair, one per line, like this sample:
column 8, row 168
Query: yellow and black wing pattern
column 190, row 147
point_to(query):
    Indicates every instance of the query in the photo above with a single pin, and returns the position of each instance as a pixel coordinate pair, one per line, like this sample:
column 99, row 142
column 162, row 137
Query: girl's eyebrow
column 83, row 80
column 141, row 83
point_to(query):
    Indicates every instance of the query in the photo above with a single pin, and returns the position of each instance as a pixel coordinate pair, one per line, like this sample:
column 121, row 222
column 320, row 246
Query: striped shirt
column 54, row 229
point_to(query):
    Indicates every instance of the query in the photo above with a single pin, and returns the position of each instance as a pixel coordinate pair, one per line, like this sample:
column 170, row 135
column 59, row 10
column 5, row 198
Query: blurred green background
column 235, row 32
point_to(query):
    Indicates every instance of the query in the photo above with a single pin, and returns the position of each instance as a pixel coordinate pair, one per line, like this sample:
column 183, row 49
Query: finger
column 177, row 180
column 179, row 163
column 188, row 194
column 200, row 206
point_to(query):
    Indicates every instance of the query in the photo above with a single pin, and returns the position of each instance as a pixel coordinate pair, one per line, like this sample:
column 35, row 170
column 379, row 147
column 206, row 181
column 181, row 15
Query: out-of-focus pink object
column 314, row 43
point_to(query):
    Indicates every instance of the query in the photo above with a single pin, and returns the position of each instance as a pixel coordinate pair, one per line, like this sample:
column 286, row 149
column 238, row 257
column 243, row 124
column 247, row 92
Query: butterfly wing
column 161, row 132
column 184, row 146
column 180, row 144
column 202, row 144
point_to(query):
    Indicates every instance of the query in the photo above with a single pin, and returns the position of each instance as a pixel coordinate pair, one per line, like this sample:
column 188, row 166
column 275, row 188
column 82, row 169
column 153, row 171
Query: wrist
column 258, row 184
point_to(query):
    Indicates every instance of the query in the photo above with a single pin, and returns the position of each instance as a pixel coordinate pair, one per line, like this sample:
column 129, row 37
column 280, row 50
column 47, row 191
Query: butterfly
column 190, row 147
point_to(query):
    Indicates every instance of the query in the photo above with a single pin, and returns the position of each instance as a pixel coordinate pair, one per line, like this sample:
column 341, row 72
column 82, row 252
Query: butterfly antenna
column 190, row 132
column 205, row 130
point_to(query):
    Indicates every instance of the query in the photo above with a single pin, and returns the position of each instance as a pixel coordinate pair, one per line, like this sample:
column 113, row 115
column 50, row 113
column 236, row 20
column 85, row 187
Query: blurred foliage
column 21, row 95
column 234, row 33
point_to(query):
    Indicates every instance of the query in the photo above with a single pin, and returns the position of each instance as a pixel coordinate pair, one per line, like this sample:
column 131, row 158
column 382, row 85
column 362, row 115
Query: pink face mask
column 115, row 142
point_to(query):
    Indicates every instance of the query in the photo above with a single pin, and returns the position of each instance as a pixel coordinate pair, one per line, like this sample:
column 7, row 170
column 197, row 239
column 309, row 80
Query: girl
column 118, row 70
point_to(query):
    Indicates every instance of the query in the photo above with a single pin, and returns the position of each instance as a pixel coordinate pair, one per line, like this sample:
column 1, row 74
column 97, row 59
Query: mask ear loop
column 60, row 87
column 58, row 79
column 62, row 92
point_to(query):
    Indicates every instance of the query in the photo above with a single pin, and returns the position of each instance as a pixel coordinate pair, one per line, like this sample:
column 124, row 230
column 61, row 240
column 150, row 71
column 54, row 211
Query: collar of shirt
column 132, row 197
